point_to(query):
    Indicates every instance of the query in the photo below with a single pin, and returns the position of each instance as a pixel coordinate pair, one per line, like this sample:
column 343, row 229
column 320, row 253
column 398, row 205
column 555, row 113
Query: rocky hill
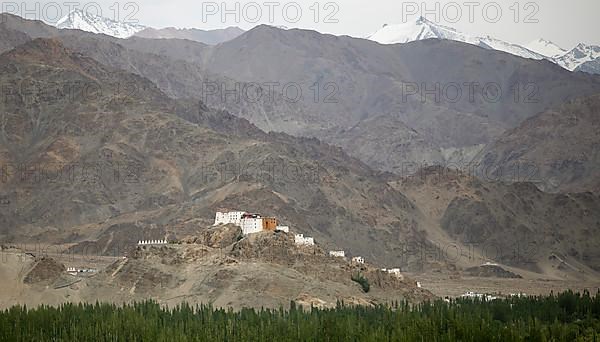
column 512, row 224
column 266, row 270
column 358, row 80
column 100, row 156
column 105, row 142
column 556, row 149
column 10, row 38
column 369, row 77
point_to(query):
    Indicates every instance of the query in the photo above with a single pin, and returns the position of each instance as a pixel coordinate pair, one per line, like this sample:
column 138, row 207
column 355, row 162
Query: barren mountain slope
column 101, row 156
column 264, row 270
column 481, row 93
column 512, row 224
column 558, row 149
column 210, row 37
column 10, row 38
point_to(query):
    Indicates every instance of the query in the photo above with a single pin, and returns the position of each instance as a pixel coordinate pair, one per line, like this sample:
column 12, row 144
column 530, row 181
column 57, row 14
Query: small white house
column 489, row 264
column 358, row 260
column 395, row 272
column 485, row 296
column 300, row 240
column 79, row 271
column 285, row 229
column 337, row 254
column 232, row 217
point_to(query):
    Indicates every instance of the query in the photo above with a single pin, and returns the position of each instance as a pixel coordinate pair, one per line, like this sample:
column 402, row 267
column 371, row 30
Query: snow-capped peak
column 81, row 20
column 415, row 30
column 424, row 29
column 546, row 48
column 580, row 54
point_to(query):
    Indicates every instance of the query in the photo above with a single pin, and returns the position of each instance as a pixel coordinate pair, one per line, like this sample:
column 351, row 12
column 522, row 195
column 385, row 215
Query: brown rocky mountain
column 511, row 224
column 385, row 141
column 32, row 28
column 100, row 157
column 558, row 149
column 370, row 79
column 101, row 146
column 11, row 38
column 358, row 81
column 210, row 37
column 265, row 270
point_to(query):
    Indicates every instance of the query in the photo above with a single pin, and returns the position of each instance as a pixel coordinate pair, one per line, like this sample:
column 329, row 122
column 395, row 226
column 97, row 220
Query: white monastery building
column 337, row 254
column 300, row 240
column 232, row 217
column 251, row 225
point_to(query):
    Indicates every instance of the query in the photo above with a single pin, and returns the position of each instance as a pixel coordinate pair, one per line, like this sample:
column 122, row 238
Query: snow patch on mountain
column 418, row 30
column 579, row 55
column 81, row 20
column 514, row 49
column 425, row 29
column 546, row 48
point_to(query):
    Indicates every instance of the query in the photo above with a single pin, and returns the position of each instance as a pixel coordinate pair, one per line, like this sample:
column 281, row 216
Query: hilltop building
column 300, row 240
column 232, row 217
column 152, row 242
column 254, row 223
column 393, row 271
column 250, row 223
column 285, row 229
column 337, row 254
column 269, row 224
column 358, row 260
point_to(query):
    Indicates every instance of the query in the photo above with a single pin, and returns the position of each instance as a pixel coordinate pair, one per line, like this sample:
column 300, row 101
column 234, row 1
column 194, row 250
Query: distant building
column 520, row 294
column 232, row 217
column 251, row 224
column 358, row 260
column 300, row 240
column 283, row 229
column 152, row 242
column 269, row 224
column 482, row 296
column 395, row 272
column 80, row 271
column 337, row 254
column 489, row 264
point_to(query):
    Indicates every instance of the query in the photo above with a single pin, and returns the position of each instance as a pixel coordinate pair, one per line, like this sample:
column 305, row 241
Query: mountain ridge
column 210, row 37
column 79, row 19
column 423, row 28
column 546, row 48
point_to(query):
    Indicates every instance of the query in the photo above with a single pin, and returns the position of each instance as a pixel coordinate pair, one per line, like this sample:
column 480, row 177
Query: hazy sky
column 564, row 22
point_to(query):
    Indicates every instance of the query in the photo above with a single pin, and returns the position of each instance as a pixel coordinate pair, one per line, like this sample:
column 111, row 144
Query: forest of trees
column 564, row 317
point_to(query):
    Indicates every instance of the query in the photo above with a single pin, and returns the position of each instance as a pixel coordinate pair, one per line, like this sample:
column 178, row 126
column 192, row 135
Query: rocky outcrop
column 216, row 237
column 46, row 271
